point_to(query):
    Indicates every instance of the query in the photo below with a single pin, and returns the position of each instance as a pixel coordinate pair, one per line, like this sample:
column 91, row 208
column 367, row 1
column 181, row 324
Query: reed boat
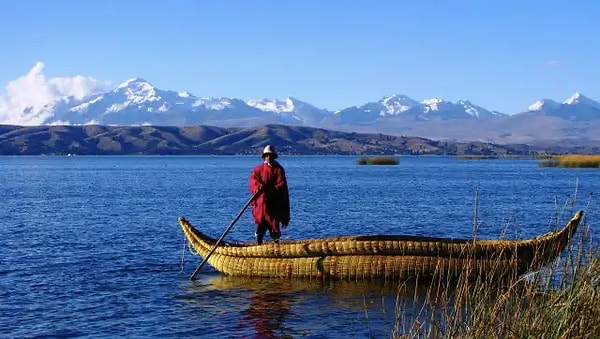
column 387, row 257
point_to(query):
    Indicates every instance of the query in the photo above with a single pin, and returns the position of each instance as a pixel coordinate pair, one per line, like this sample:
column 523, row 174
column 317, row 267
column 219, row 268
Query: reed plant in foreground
column 560, row 301
column 573, row 160
column 384, row 160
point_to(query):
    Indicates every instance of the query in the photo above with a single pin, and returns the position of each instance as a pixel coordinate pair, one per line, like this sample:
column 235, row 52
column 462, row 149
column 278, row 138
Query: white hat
column 269, row 150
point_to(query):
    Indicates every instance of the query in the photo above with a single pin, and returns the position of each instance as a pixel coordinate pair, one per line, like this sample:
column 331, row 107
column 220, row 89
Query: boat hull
column 381, row 257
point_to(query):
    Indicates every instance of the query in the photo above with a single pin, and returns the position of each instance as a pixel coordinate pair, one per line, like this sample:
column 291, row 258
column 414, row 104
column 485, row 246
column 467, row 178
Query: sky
column 501, row 55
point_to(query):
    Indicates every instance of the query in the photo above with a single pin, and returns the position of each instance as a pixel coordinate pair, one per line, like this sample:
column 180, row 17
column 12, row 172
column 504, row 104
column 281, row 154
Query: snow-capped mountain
column 461, row 109
column 135, row 101
column 574, row 100
column 576, row 107
column 543, row 105
column 396, row 104
column 139, row 102
column 292, row 109
column 403, row 107
column 579, row 99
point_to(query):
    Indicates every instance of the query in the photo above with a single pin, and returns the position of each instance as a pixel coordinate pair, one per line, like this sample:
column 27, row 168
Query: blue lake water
column 90, row 246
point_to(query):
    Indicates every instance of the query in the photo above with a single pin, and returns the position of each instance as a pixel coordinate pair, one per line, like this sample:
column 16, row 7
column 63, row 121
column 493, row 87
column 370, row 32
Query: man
column 271, row 208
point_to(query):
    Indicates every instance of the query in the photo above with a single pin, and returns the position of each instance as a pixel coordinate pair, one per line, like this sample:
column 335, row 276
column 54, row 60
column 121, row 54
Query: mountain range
column 137, row 102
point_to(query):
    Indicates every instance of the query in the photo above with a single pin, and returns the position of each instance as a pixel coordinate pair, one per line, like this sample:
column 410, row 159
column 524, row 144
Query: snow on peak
column 277, row 106
column 137, row 91
column 133, row 82
column 575, row 99
column 541, row 105
column 398, row 98
column 184, row 94
column 578, row 98
column 86, row 105
column 470, row 108
column 536, row 106
column 432, row 104
column 397, row 104
column 214, row 104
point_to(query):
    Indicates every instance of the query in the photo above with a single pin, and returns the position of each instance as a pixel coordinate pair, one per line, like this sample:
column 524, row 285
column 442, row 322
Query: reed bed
column 560, row 301
column 573, row 160
column 378, row 161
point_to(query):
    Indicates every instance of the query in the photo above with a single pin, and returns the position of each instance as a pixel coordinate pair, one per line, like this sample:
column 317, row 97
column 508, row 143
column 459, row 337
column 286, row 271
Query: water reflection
column 266, row 314
column 280, row 308
column 285, row 308
column 270, row 303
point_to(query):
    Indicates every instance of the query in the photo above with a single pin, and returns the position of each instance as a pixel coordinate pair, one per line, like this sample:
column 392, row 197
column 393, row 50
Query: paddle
column 225, row 233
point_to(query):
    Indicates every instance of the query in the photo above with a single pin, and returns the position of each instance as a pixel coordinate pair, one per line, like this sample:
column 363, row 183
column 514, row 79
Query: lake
column 90, row 245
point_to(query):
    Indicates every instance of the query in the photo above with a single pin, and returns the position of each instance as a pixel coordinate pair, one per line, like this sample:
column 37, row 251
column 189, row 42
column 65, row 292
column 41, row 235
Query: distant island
column 211, row 140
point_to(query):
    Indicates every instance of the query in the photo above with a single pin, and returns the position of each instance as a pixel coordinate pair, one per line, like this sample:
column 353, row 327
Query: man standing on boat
column 271, row 208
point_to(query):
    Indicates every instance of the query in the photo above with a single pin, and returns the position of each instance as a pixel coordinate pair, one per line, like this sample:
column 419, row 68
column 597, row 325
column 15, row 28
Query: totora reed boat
column 386, row 257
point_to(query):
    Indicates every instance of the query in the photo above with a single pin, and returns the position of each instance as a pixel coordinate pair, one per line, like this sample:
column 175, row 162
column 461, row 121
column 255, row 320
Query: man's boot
column 259, row 238
column 275, row 236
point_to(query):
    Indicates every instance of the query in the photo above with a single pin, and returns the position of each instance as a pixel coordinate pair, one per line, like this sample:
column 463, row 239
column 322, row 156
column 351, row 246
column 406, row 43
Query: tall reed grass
column 560, row 301
column 573, row 160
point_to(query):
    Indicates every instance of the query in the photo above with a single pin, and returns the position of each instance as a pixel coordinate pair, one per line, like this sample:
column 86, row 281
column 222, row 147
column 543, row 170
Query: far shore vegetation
column 572, row 160
column 378, row 160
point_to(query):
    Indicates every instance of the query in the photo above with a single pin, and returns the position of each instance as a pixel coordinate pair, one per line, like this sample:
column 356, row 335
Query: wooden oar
column 225, row 233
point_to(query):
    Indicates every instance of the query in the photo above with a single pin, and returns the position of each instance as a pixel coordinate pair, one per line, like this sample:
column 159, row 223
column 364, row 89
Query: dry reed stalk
column 560, row 301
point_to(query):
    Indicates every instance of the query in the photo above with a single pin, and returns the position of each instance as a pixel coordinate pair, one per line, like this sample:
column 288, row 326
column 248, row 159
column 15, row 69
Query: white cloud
column 29, row 99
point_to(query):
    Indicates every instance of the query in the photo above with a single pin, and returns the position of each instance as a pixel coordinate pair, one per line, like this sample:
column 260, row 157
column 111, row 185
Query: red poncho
column 272, row 206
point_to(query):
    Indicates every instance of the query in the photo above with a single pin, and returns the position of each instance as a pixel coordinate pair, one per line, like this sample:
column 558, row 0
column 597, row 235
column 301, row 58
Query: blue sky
column 502, row 55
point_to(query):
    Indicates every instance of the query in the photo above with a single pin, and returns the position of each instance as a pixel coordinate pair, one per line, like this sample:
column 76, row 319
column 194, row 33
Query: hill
column 126, row 140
